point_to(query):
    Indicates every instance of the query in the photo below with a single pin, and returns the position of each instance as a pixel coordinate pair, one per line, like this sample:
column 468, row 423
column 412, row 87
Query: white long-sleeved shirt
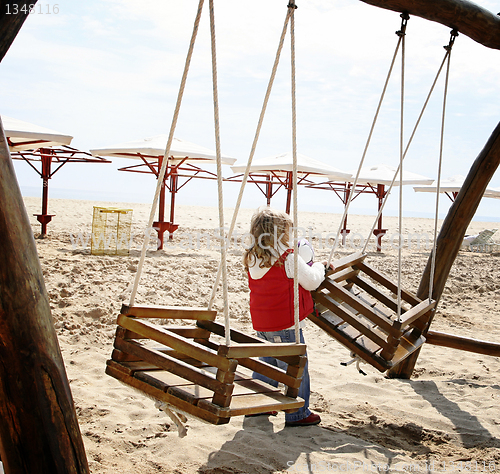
column 310, row 277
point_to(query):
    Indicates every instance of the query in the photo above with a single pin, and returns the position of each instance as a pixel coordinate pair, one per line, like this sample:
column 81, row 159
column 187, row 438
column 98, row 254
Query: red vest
column 271, row 299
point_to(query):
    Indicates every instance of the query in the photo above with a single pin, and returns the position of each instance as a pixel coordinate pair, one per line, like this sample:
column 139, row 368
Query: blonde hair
column 268, row 227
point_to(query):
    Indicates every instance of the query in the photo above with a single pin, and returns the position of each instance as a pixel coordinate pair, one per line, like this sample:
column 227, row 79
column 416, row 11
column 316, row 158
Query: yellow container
column 111, row 228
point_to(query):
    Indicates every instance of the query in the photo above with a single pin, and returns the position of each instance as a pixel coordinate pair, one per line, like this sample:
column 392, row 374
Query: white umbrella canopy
column 454, row 185
column 492, row 193
column 154, row 147
column 282, row 164
column 183, row 161
column 450, row 185
column 384, row 174
column 27, row 136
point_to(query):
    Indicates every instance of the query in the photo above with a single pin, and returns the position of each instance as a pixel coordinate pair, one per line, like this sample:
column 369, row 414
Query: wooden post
column 468, row 18
column 453, row 231
column 39, row 430
column 11, row 23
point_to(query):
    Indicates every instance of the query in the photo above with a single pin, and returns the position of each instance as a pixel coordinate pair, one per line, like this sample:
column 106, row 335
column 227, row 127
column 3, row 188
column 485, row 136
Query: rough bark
column 466, row 17
column 39, row 430
column 11, row 23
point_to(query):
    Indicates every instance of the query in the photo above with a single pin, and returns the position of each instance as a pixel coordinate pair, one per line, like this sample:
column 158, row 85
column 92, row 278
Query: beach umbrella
column 27, row 136
column 278, row 170
column 183, row 162
column 376, row 178
column 42, row 148
column 492, row 193
column 383, row 174
column 452, row 186
column 371, row 180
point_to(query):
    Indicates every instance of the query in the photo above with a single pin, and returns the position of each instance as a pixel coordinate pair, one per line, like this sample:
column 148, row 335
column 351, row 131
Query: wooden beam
column 10, row 22
column 463, row 343
column 39, row 430
column 469, row 19
column 453, row 231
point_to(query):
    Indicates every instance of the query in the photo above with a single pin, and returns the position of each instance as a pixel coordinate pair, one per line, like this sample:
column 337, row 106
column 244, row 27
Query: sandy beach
column 445, row 419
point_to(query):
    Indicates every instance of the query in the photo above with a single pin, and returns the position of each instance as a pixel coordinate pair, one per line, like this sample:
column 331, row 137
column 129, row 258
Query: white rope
column 400, row 216
column 355, row 358
column 177, row 418
column 438, row 190
column 167, row 153
column 252, row 151
column 296, row 307
column 223, row 259
column 406, row 151
column 348, row 203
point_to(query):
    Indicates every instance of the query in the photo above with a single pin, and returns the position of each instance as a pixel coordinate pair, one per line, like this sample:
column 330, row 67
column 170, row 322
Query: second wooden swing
column 186, row 369
column 381, row 323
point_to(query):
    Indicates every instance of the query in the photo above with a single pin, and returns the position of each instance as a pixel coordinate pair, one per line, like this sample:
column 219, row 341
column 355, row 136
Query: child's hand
column 329, row 268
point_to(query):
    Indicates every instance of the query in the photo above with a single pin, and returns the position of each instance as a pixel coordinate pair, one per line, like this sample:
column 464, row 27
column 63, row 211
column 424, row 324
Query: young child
column 270, row 265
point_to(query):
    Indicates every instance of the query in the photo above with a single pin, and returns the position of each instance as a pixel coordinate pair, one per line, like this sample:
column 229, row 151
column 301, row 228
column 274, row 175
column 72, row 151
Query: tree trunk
column 468, row 18
column 39, row 431
column 453, row 231
column 11, row 22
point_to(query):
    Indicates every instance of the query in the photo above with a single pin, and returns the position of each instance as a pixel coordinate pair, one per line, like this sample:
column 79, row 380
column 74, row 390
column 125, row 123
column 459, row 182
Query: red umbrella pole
column 160, row 225
column 345, row 230
column 269, row 189
column 44, row 218
column 379, row 232
column 289, row 188
column 174, row 181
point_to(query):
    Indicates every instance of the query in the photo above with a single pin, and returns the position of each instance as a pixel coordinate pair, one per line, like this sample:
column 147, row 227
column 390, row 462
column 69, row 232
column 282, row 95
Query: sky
column 108, row 71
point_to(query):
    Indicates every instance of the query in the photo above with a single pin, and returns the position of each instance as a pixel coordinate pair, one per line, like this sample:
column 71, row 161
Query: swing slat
column 351, row 319
column 416, row 312
column 383, row 280
column 409, row 343
column 176, row 366
column 376, row 293
column 169, row 312
column 366, row 349
column 262, row 403
column 260, row 350
column 187, row 332
column 351, row 314
column 242, row 338
column 360, row 306
column 344, row 275
column 211, row 416
column 348, row 261
column 292, row 377
column 269, row 371
column 178, row 343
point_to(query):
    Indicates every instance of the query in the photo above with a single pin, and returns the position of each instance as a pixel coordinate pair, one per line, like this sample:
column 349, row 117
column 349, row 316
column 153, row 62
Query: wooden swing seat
column 181, row 366
column 361, row 313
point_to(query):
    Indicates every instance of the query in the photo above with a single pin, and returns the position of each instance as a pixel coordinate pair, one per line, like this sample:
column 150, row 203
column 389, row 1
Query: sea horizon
column 140, row 198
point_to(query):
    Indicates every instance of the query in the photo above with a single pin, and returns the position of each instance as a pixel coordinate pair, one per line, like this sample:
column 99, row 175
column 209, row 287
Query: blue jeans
column 287, row 335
